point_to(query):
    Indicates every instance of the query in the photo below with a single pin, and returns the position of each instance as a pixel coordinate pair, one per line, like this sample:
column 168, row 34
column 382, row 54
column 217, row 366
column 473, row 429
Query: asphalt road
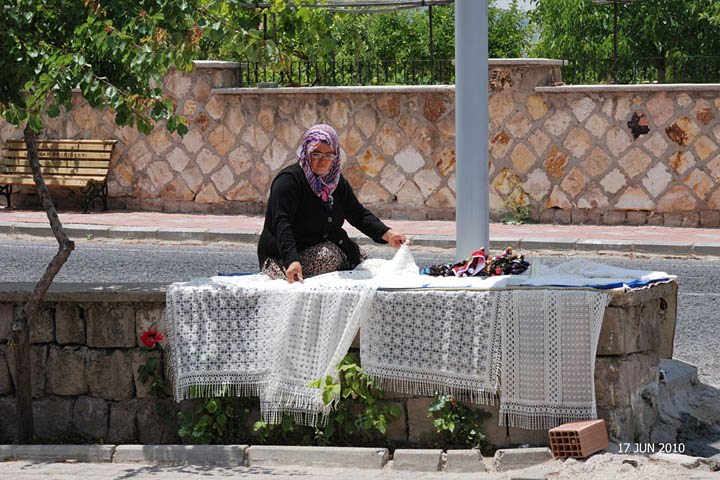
column 99, row 261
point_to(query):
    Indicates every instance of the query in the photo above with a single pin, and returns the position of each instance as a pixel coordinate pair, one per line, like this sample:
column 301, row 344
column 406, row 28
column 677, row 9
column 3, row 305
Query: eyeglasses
column 326, row 156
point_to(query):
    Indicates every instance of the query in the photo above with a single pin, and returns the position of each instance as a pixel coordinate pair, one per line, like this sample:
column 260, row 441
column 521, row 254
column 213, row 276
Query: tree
column 655, row 38
column 297, row 33
column 116, row 53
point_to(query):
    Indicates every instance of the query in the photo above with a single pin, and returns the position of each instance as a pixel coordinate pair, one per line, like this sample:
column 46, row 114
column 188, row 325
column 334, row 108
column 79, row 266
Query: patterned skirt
column 322, row 258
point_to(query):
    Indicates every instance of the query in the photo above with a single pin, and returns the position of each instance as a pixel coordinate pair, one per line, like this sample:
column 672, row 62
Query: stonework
column 581, row 142
column 94, row 394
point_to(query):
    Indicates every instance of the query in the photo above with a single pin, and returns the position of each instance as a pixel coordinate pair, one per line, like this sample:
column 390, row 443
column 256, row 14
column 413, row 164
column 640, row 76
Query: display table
column 532, row 348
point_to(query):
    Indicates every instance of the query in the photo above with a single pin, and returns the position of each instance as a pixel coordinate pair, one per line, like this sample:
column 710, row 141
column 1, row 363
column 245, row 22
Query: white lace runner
column 427, row 342
column 548, row 356
column 247, row 336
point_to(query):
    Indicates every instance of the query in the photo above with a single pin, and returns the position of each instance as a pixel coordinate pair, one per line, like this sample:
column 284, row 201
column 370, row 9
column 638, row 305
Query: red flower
column 150, row 338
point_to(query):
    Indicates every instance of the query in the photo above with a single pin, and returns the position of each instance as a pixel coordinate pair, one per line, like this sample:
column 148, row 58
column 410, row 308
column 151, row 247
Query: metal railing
column 349, row 72
column 685, row 69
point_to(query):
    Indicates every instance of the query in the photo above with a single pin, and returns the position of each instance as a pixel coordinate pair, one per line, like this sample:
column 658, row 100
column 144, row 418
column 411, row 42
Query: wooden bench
column 64, row 163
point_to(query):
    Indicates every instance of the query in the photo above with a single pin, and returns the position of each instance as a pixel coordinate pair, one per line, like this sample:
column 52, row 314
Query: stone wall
column 86, row 351
column 608, row 154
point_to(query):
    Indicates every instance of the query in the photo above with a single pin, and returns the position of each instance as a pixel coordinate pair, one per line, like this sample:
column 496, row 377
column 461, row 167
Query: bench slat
column 59, row 154
column 51, row 170
column 86, row 145
column 53, row 181
column 11, row 162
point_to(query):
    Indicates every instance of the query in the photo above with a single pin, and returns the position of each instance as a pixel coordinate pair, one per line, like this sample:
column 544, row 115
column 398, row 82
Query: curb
column 55, row 453
column 271, row 456
column 344, row 457
column 651, row 247
column 420, row 460
column 195, row 454
column 517, row 458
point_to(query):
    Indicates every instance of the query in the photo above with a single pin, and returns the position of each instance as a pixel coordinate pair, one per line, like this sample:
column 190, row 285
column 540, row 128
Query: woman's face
column 321, row 159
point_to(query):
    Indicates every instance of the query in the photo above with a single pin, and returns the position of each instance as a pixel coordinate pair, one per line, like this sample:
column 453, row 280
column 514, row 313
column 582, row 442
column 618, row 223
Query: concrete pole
column 471, row 126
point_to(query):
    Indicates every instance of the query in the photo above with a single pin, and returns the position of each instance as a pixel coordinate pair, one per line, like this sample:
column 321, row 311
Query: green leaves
column 651, row 37
column 112, row 51
column 216, row 420
column 458, row 425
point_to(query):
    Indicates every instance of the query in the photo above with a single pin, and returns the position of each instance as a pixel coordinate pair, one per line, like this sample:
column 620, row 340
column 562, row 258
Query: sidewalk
column 246, row 229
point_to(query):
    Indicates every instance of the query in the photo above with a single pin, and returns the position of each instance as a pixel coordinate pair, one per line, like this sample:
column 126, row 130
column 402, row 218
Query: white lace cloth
column 549, row 341
column 254, row 336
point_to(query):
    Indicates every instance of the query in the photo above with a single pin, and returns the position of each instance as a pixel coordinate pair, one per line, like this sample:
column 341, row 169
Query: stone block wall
column 86, row 351
column 612, row 154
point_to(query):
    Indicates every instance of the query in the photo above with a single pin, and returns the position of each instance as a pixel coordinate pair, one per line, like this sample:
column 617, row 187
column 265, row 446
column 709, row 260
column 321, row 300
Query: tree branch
column 21, row 325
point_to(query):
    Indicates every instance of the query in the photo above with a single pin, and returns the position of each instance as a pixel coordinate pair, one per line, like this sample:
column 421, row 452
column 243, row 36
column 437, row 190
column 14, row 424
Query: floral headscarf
column 325, row 185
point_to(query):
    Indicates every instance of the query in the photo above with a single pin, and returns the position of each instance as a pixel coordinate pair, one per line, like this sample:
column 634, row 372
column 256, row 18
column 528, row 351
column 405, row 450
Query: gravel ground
column 102, row 261
column 599, row 467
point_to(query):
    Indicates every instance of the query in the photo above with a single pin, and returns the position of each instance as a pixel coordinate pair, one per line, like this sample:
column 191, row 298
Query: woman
column 309, row 201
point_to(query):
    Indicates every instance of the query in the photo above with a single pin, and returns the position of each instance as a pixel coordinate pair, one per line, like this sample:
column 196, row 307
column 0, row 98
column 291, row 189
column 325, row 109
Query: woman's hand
column 394, row 239
column 294, row 272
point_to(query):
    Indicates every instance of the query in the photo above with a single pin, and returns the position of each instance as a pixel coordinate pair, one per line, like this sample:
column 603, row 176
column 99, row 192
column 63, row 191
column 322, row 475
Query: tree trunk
column 21, row 325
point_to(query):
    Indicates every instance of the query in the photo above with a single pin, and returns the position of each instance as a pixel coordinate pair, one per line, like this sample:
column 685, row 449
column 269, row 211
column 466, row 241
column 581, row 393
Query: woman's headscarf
column 325, row 185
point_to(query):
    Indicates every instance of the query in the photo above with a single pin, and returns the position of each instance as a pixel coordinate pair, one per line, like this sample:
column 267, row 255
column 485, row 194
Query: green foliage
column 151, row 374
column 287, row 432
column 665, row 33
column 358, row 418
column 517, row 203
column 289, row 32
column 459, row 426
column 116, row 53
column 508, row 31
column 215, row 420
column 359, row 413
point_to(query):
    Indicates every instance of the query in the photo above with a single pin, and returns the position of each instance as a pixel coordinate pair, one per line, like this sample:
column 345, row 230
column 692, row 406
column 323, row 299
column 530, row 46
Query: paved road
column 24, row 258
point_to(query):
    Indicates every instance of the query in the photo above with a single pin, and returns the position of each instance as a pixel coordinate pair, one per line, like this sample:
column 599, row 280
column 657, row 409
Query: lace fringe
column 539, row 421
column 196, row 389
column 306, row 408
column 428, row 388
column 274, row 416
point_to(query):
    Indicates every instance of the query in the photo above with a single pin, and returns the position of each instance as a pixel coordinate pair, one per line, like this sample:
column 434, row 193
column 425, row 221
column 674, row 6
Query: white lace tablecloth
column 534, row 349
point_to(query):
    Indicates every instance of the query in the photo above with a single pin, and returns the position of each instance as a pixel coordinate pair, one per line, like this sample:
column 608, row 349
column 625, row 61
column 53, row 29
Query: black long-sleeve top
column 296, row 219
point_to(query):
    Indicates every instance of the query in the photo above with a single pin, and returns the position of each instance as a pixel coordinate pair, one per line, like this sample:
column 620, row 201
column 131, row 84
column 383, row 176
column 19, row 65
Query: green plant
column 285, row 432
column 518, row 215
column 359, row 412
column 517, row 203
column 151, row 375
column 457, row 425
column 151, row 372
column 215, row 420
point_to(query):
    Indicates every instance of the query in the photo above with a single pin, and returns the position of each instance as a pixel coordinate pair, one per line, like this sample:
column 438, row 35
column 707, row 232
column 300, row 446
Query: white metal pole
column 471, row 126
